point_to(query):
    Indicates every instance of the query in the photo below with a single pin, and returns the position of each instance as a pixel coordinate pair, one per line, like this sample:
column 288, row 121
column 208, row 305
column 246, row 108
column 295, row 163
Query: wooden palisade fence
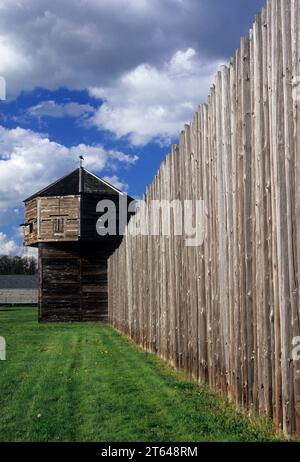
column 227, row 311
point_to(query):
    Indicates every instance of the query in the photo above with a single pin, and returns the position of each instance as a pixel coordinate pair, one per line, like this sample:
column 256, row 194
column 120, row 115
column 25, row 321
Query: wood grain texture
column 73, row 282
column 227, row 311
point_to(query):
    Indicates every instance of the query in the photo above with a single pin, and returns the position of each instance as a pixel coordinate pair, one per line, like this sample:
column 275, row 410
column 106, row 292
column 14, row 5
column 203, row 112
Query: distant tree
column 5, row 266
column 32, row 268
column 17, row 265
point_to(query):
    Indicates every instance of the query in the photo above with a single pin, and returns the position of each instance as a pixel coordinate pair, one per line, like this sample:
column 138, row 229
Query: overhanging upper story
column 66, row 211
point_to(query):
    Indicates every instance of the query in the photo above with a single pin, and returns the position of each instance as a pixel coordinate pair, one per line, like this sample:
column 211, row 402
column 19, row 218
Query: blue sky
column 114, row 80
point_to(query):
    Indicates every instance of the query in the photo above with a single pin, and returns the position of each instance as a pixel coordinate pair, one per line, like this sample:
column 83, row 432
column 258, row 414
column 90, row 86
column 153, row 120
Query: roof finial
column 81, row 185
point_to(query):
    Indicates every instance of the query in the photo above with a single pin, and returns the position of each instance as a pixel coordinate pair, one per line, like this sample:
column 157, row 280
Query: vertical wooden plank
column 268, row 317
column 295, row 46
column 259, row 218
column 227, row 167
column 290, row 268
column 202, row 254
column 227, row 312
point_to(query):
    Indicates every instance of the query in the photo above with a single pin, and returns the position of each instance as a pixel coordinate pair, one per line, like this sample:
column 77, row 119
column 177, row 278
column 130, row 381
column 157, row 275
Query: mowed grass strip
column 85, row 382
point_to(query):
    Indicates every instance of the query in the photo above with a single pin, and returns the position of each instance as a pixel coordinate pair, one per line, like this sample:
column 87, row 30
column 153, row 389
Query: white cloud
column 151, row 102
column 11, row 59
column 82, row 43
column 151, row 61
column 28, row 252
column 115, row 181
column 30, row 161
column 8, row 246
column 53, row 109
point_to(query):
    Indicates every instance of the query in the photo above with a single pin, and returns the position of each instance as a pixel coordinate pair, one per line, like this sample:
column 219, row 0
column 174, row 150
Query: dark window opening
column 59, row 225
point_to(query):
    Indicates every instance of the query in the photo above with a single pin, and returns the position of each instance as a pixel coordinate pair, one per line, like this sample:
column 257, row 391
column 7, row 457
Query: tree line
column 17, row 265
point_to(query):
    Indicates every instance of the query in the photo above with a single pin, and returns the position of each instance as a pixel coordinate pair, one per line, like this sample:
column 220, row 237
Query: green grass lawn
column 85, row 382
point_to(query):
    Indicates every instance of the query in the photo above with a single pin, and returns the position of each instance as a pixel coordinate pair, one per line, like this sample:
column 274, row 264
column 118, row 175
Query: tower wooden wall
column 61, row 221
column 73, row 281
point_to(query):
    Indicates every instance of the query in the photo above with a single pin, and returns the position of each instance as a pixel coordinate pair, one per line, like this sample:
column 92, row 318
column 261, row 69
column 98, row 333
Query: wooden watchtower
column 61, row 220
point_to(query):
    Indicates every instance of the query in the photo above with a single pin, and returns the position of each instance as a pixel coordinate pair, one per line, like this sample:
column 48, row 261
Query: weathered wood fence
column 227, row 311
